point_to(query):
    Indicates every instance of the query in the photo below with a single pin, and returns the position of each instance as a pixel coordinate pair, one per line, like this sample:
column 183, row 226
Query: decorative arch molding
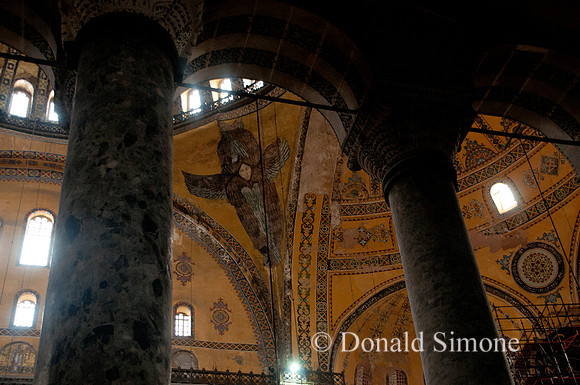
column 574, row 258
column 521, row 304
column 236, row 262
column 354, row 315
column 30, row 35
column 285, row 46
column 535, row 86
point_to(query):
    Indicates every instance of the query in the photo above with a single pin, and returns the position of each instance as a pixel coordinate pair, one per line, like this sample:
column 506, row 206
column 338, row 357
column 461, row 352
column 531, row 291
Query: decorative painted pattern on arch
column 304, row 280
column 234, row 267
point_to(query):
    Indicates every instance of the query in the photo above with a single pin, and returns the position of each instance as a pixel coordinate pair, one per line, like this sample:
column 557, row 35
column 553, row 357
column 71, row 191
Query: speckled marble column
column 107, row 312
column 410, row 145
column 445, row 289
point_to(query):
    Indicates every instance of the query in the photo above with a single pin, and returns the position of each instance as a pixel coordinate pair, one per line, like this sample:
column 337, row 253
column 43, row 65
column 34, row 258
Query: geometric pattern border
column 15, row 332
column 216, row 345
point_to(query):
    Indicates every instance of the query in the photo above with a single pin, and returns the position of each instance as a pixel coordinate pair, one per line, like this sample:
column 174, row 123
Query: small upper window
column 503, row 197
column 183, row 319
column 190, row 100
column 21, row 98
column 25, row 310
column 362, row 375
column 224, row 84
column 51, row 114
column 397, row 377
column 37, row 239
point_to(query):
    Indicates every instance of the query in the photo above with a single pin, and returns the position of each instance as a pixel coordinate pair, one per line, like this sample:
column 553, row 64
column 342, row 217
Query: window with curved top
column 183, row 320
column 397, row 377
column 21, row 99
column 25, row 309
column 51, row 114
column 37, row 242
column 503, row 197
column 191, row 100
column 223, row 84
column 362, row 375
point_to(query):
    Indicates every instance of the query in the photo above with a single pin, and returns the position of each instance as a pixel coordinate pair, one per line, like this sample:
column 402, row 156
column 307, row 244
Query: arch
column 21, row 98
column 36, row 247
column 25, row 309
column 287, row 48
column 397, row 377
column 349, row 320
column 191, row 100
column 51, row 114
column 224, row 84
column 502, row 197
column 237, row 264
column 362, row 374
column 183, row 320
column 17, row 357
column 184, row 359
column 24, row 28
column 356, row 313
column 532, row 85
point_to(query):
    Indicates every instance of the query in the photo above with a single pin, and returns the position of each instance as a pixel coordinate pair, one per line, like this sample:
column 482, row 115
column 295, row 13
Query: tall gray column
column 411, row 149
column 107, row 316
column 443, row 281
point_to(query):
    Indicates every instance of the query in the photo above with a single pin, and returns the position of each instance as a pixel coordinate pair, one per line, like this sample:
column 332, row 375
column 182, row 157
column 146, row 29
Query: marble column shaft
column 444, row 285
column 409, row 146
column 107, row 316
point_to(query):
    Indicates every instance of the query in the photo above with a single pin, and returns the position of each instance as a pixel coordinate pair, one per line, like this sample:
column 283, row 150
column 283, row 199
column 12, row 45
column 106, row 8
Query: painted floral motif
column 220, row 316
column 530, row 178
column 476, row 154
column 552, row 297
column 551, row 164
column 355, row 188
column 473, row 209
column 504, row 262
column 183, row 269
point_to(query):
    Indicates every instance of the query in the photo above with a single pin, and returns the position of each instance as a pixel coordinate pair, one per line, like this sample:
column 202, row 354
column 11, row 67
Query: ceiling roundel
column 538, row 267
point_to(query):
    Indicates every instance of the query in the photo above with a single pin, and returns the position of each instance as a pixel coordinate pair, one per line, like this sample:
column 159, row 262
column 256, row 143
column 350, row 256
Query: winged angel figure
column 241, row 183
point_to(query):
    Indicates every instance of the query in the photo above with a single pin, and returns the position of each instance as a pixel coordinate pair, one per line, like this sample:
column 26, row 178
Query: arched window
column 25, row 309
column 224, row 84
column 190, row 100
column 183, row 320
column 503, row 197
column 362, row 375
column 21, row 99
column 397, row 377
column 37, row 242
column 51, row 114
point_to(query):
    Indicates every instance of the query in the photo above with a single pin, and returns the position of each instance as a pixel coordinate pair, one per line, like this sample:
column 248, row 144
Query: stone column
column 107, row 315
column 411, row 149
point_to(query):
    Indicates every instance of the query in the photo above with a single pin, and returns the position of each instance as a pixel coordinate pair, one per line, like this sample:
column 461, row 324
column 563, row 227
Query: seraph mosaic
column 246, row 186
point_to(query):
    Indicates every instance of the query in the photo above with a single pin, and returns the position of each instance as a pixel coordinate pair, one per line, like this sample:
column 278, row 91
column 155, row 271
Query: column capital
column 391, row 135
column 180, row 18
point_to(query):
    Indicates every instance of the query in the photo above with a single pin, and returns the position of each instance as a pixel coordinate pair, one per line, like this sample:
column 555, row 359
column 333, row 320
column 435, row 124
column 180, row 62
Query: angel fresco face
column 246, row 186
